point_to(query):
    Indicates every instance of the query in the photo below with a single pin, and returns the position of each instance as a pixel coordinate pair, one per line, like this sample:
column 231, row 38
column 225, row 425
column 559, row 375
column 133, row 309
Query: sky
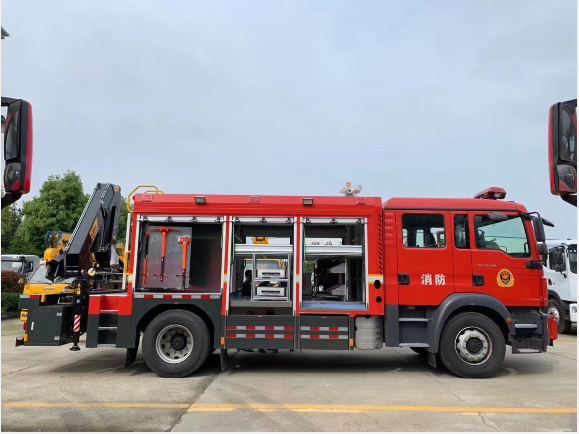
column 421, row 99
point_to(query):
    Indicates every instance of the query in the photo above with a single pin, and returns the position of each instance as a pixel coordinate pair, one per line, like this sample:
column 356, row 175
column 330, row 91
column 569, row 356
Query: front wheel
column 472, row 346
column 176, row 343
column 563, row 325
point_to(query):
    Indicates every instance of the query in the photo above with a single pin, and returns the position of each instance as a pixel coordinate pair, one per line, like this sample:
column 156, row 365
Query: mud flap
column 224, row 359
column 431, row 358
column 131, row 353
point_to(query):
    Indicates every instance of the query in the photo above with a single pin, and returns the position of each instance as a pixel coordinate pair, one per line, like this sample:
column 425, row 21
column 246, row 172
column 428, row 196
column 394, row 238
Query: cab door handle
column 478, row 280
column 403, row 279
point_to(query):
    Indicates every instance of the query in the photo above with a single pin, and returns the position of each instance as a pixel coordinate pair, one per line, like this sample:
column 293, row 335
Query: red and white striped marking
column 180, row 296
column 29, row 295
column 249, row 327
column 326, row 329
column 258, row 336
column 324, row 336
column 76, row 327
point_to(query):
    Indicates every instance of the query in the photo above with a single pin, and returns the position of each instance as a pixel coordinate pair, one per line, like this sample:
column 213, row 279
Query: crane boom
column 95, row 236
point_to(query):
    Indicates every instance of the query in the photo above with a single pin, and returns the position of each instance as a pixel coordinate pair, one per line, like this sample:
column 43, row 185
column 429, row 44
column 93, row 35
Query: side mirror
column 543, row 249
column 563, row 148
column 498, row 216
column 557, row 259
column 17, row 129
column 547, row 222
column 539, row 229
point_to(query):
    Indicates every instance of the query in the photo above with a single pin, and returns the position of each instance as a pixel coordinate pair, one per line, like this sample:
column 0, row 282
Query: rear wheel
column 563, row 325
column 176, row 343
column 472, row 346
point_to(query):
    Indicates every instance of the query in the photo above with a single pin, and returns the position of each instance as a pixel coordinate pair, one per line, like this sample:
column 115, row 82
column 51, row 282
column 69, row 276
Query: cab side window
column 423, row 231
column 461, row 232
column 509, row 235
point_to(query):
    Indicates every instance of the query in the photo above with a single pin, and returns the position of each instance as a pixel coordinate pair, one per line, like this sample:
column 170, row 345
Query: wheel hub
column 178, row 341
column 174, row 343
column 553, row 310
column 473, row 345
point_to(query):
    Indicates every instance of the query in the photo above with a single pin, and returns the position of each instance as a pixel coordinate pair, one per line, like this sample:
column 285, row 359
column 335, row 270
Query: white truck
column 21, row 264
column 560, row 271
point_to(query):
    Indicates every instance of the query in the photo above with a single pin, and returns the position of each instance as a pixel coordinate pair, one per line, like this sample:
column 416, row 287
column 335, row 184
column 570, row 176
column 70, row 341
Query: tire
column 563, row 325
column 472, row 331
column 176, row 343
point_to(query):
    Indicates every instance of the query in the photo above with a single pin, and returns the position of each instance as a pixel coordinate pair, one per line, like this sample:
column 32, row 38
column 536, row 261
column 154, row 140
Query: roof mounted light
column 199, row 200
column 492, row 193
column 308, row 201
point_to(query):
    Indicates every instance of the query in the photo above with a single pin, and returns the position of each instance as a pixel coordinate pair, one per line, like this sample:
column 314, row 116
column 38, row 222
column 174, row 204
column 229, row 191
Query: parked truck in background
column 561, row 273
column 21, row 264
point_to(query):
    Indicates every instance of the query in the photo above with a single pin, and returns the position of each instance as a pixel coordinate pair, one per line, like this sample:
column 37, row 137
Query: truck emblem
column 505, row 278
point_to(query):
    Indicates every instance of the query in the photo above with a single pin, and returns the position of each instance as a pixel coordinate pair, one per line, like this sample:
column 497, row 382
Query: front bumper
column 532, row 332
column 573, row 312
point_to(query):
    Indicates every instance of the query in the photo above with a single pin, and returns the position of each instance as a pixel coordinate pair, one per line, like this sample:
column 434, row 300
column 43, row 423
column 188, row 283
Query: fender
column 455, row 301
column 553, row 294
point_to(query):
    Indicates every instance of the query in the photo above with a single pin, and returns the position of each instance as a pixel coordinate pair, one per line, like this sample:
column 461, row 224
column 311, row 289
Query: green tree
column 122, row 232
column 58, row 207
column 11, row 219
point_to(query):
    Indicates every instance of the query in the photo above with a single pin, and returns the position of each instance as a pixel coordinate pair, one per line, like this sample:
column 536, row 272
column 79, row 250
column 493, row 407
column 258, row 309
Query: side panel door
column 461, row 251
column 500, row 252
column 425, row 267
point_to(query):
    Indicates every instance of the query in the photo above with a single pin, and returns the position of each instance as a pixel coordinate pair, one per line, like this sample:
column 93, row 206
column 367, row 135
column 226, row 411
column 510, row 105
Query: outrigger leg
column 79, row 294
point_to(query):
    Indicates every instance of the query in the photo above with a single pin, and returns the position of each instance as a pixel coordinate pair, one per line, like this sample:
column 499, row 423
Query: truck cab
column 21, row 264
column 560, row 270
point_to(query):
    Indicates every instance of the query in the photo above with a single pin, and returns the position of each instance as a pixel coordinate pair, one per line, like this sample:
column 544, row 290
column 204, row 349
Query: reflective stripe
column 326, row 329
column 258, row 336
column 324, row 336
column 249, row 327
column 181, row 296
column 76, row 323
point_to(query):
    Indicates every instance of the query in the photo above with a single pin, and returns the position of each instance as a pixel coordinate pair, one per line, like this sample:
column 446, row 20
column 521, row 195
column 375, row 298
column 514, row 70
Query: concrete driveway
column 48, row 388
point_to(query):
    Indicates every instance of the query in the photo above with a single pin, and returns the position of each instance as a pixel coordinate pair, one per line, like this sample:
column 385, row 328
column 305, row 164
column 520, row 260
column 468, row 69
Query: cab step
column 526, row 326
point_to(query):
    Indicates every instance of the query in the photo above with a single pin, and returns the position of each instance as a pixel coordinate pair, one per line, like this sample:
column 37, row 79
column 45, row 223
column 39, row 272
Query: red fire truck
column 195, row 282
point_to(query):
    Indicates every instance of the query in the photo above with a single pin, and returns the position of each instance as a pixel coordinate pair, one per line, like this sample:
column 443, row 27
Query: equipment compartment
column 49, row 325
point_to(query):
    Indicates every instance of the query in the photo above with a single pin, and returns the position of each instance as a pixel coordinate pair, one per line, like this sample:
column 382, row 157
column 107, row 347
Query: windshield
column 12, row 266
column 573, row 258
column 39, row 275
column 509, row 235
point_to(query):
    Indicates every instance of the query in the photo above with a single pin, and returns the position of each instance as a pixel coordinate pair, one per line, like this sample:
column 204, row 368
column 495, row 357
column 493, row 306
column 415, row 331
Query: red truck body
column 392, row 283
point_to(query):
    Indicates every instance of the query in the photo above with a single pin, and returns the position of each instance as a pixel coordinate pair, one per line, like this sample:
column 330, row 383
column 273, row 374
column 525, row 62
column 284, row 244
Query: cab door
column 462, row 256
column 500, row 254
column 425, row 268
